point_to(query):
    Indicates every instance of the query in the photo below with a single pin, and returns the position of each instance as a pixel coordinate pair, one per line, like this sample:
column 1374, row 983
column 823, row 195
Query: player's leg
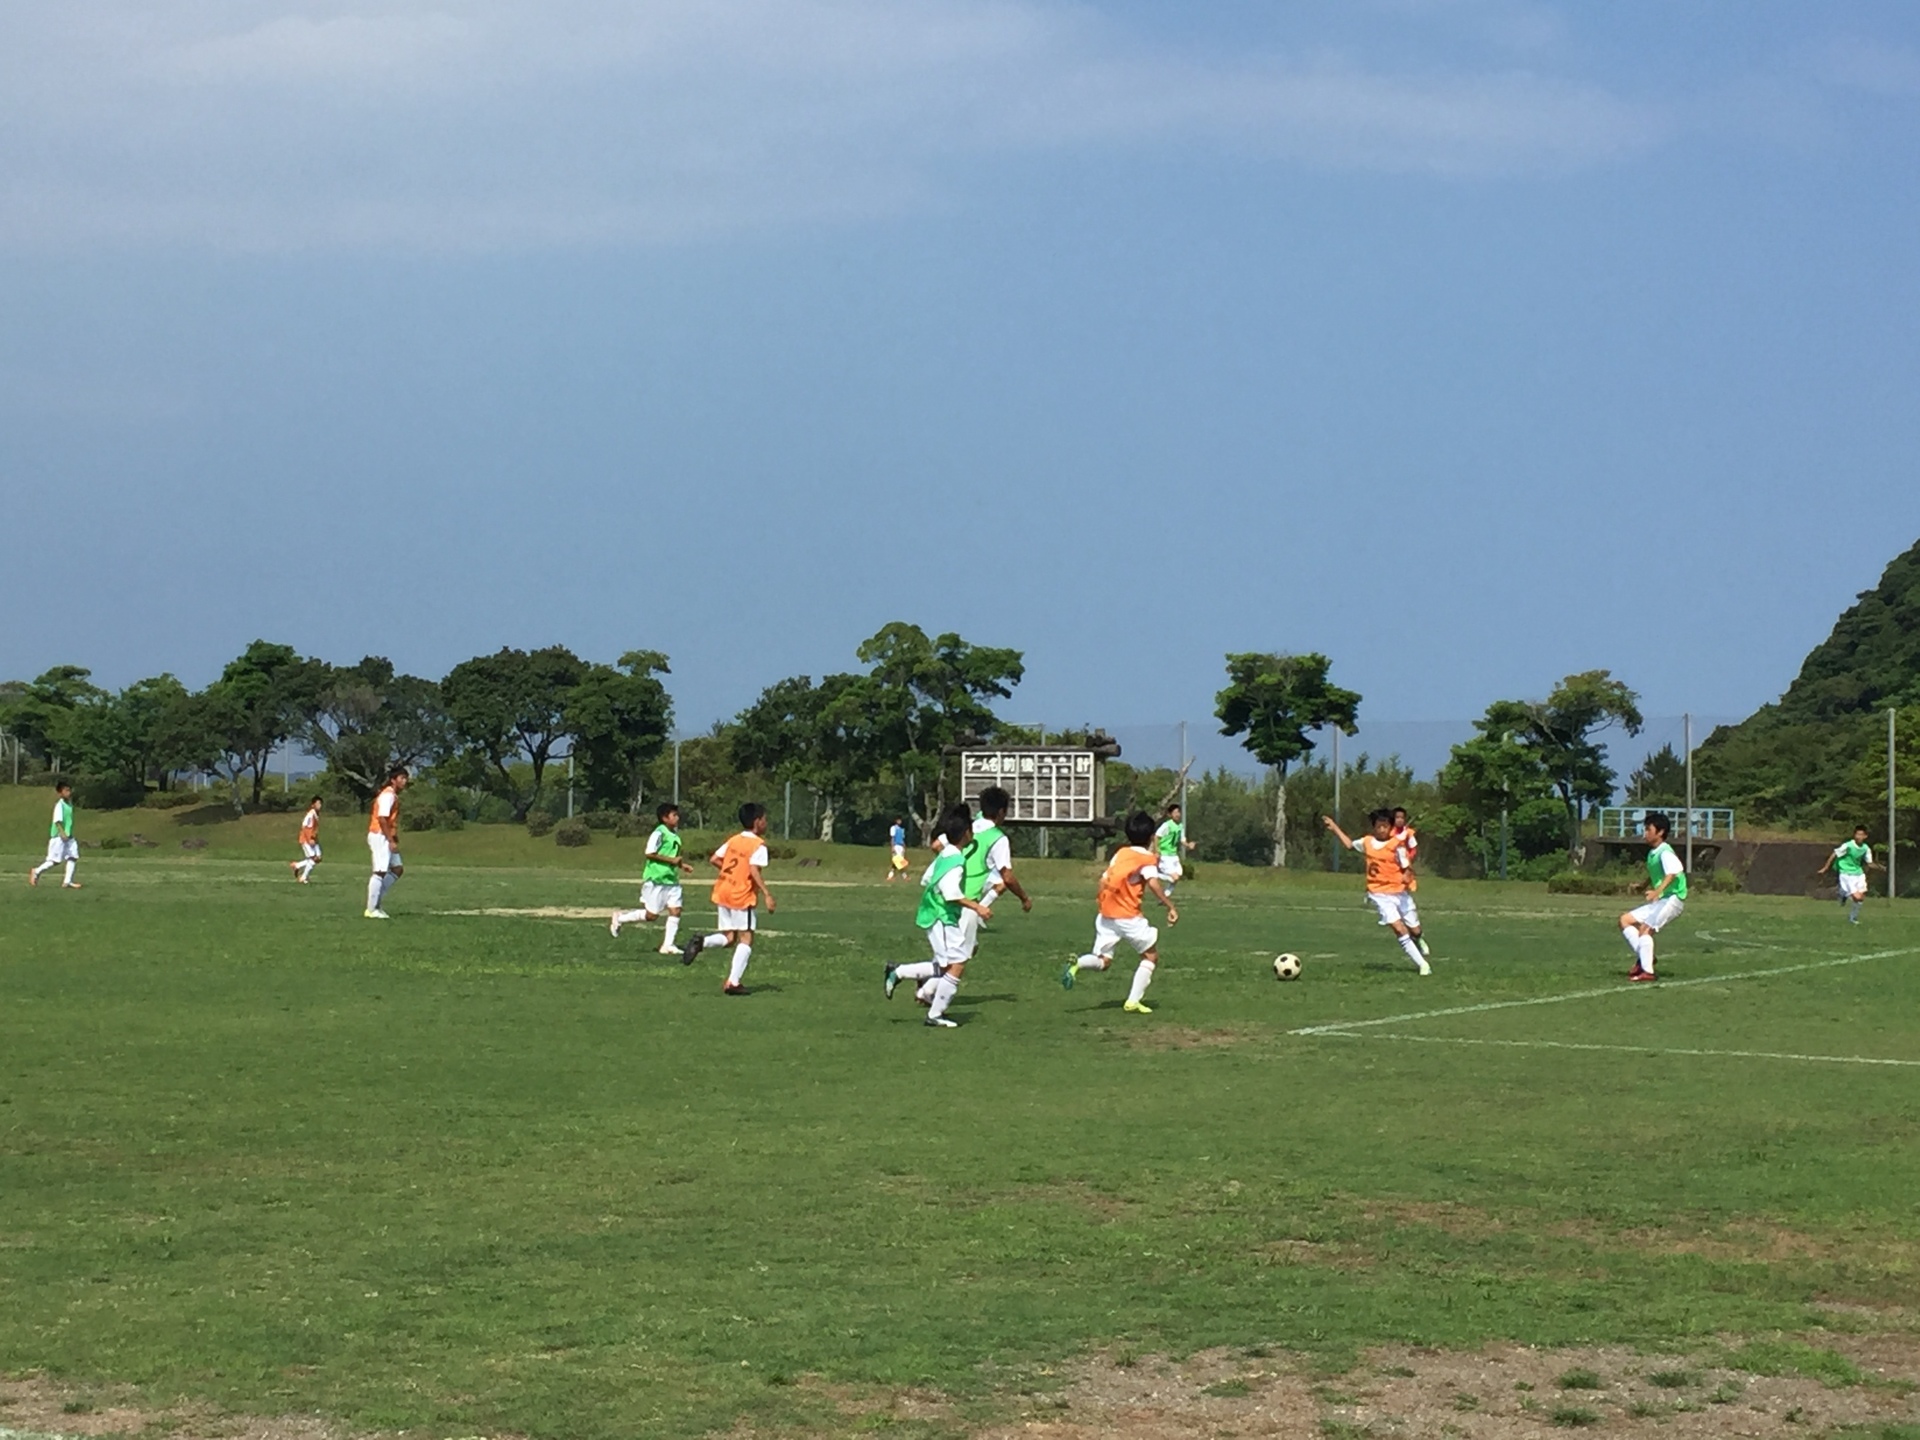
column 1105, row 937
column 669, row 941
column 1630, row 931
column 70, row 855
column 945, row 986
column 377, row 882
column 742, row 937
column 55, row 853
column 1145, row 940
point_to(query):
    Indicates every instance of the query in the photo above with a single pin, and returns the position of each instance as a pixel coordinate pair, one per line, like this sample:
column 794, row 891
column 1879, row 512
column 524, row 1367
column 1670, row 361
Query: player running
column 944, row 907
column 737, row 890
column 1133, row 870
column 1850, row 863
column 660, row 892
column 309, row 843
column 383, row 839
column 897, row 848
column 1666, row 897
column 1170, row 843
column 62, row 848
column 1408, row 841
column 1387, row 882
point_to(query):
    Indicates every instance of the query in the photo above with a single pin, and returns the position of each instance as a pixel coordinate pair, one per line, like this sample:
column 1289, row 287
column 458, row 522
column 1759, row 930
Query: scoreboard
column 1050, row 785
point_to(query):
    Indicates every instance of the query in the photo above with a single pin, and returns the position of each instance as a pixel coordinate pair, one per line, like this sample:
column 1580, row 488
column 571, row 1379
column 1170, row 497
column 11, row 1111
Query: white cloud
column 488, row 124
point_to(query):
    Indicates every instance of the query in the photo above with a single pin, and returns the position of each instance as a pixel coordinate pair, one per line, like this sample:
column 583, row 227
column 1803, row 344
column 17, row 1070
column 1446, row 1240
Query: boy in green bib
column 1850, row 863
column 1666, row 897
column 62, row 848
column 660, row 892
column 943, row 900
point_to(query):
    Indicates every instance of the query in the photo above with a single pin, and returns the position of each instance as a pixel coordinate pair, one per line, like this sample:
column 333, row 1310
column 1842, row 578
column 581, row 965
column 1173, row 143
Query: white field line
column 1622, row 1049
column 1343, row 1026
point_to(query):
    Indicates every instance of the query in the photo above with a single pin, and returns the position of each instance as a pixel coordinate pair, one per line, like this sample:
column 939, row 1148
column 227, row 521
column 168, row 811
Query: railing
column 1626, row 822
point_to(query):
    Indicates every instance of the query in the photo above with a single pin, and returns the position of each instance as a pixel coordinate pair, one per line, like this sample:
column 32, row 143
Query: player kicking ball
column 660, row 892
column 1850, row 863
column 1666, row 898
column 737, row 891
column 62, row 848
column 943, row 906
column 1133, row 870
column 1388, row 882
column 309, row 843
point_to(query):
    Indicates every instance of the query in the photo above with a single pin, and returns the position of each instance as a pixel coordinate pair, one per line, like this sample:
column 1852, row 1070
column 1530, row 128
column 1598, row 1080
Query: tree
column 1660, row 780
column 126, row 736
column 920, row 696
column 366, row 721
column 507, row 707
column 35, row 712
column 1273, row 700
column 260, row 702
column 811, row 733
column 619, row 718
column 1493, row 778
column 1559, row 732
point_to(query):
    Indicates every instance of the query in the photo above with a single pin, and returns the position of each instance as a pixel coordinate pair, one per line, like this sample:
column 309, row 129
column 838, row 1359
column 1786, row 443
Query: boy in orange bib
column 1387, row 887
column 737, row 891
column 309, row 843
column 383, row 841
column 1133, row 870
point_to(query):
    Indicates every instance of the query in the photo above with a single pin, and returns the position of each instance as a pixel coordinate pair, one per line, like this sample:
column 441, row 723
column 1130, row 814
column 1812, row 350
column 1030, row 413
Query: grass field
column 486, row 1170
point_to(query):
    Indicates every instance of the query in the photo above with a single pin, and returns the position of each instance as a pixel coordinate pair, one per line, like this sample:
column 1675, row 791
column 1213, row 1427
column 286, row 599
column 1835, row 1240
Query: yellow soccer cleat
column 1136, row 1007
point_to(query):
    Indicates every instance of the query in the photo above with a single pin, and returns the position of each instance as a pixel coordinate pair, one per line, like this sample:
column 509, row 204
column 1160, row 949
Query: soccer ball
column 1286, row 967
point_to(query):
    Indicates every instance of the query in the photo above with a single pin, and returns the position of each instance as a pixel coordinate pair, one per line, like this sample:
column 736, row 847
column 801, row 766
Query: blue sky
column 1472, row 342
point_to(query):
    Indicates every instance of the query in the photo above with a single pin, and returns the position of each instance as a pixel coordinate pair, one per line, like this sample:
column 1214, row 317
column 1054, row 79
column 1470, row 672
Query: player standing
column 1171, row 844
column 736, row 892
column 943, row 907
column 660, row 892
column 897, row 846
column 1408, row 841
column 1133, row 870
column 1666, row 897
column 1850, row 863
column 62, row 848
column 383, row 840
column 309, row 843
column 1387, row 882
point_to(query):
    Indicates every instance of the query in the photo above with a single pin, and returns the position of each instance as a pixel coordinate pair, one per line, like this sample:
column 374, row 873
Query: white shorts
column 1171, row 869
column 311, row 851
column 1656, row 914
column 1396, row 905
column 731, row 919
column 60, row 850
column 970, row 922
column 1108, row 933
column 657, row 897
column 951, row 945
column 385, row 856
column 1853, row 887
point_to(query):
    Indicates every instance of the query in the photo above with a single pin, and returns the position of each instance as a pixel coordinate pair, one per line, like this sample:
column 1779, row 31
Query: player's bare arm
column 1173, row 915
column 1338, row 833
column 1014, row 888
column 760, row 889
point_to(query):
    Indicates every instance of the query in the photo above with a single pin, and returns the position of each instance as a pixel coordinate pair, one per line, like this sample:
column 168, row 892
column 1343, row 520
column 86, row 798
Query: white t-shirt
column 383, row 803
column 951, row 883
column 999, row 858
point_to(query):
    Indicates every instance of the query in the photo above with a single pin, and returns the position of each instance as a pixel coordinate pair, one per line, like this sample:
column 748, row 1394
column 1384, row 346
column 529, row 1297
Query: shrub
column 492, row 810
column 1594, row 882
column 539, row 822
column 115, row 842
column 573, row 832
column 107, row 792
column 603, row 819
column 781, row 852
column 1723, row 882
column 279, row 802
column 423, row 818
column 634, row 826
column 171, row 799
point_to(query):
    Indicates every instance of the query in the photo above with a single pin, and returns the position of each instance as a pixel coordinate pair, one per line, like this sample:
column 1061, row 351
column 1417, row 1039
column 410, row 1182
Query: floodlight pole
column 1186, row 820
column 1686, row 722
column 786, row 815
column 1333, row 844
column 569, row 784
column 1893, row 887
column 676, row 770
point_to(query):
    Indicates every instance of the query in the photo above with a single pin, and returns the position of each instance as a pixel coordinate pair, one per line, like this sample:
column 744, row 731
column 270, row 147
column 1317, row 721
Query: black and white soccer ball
column 1286, row 967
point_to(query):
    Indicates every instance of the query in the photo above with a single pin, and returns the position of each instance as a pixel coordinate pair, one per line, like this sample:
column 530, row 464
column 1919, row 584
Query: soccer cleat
column 942, row 1023
column 690, row 951
column 733, row 989
column 668, row 950
column 889, row 982
column 1066, row 975
column 33, row 877
column 294, row 866
column 1137, row 1007
column 1421, row 941
column 1640, row 977
column 1425, row 969
column 69, row 884
column 377, row 915
column 613, row 927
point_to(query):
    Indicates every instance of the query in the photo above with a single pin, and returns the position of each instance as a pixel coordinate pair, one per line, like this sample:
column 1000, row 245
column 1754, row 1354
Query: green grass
column 491, row 1172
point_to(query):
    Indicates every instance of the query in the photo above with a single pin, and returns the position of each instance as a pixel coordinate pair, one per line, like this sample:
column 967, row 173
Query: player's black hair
column 1399, row 810
column 750, row 812
column 398, row 771
column 994, row 802
column 1657, row 820
column 957, row 825
column 1860, row 829
column 1376, row 816
column 664, row 809
column 1173, row 808
column 60, row 785
column 318, row 800
column 1139, row 828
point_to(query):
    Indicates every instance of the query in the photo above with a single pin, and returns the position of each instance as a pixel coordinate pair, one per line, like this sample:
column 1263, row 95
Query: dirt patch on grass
column 37, row 1406
column 1186, row 1037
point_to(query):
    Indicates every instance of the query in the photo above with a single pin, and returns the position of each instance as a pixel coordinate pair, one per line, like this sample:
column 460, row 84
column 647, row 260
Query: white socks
column 630, row 917
column 42, row 869
column 944, row 990
column 386, row 884
column 919, row 970
column 741, row 955
column 673, row 929
column 70, row 872
column 714, row 941
column 375, row 890
column 1645, row 951
column 1412, row 947
column 1142, row 977
column 302, row 869
column 1092, row 962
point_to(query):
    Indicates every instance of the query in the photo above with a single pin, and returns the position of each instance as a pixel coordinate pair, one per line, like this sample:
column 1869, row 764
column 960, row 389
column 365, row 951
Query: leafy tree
column 260, row 702
column 1660, row 780
column 812, row 734
column 35, row 711
column 1274, row 700
column 619, row 718
column 127, row 736
column 1559, row 733
column 366, row 721
column 506, row 707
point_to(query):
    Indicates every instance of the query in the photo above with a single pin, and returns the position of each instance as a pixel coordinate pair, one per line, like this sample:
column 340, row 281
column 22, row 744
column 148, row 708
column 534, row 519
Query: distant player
column 309, row 842
column 1387, row 883
column 1133, row 870
column 1170, row 843
column 737, row 891
column 943, row 907
column 1666, row 897
column 383, row 839
column 1850, row 863
column 62, row 848
column 660, row 892
column 1408, row 841
column 897, row 845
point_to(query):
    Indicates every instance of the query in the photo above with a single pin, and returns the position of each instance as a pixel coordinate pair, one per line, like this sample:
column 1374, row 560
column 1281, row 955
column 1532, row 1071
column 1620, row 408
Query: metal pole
column 1333, row 844
column 569, row 784
column 1503, row 839
column 786, row 815
column 676, row 770
column 1686, row 722
column 1186, row 820
column 1893, row 887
